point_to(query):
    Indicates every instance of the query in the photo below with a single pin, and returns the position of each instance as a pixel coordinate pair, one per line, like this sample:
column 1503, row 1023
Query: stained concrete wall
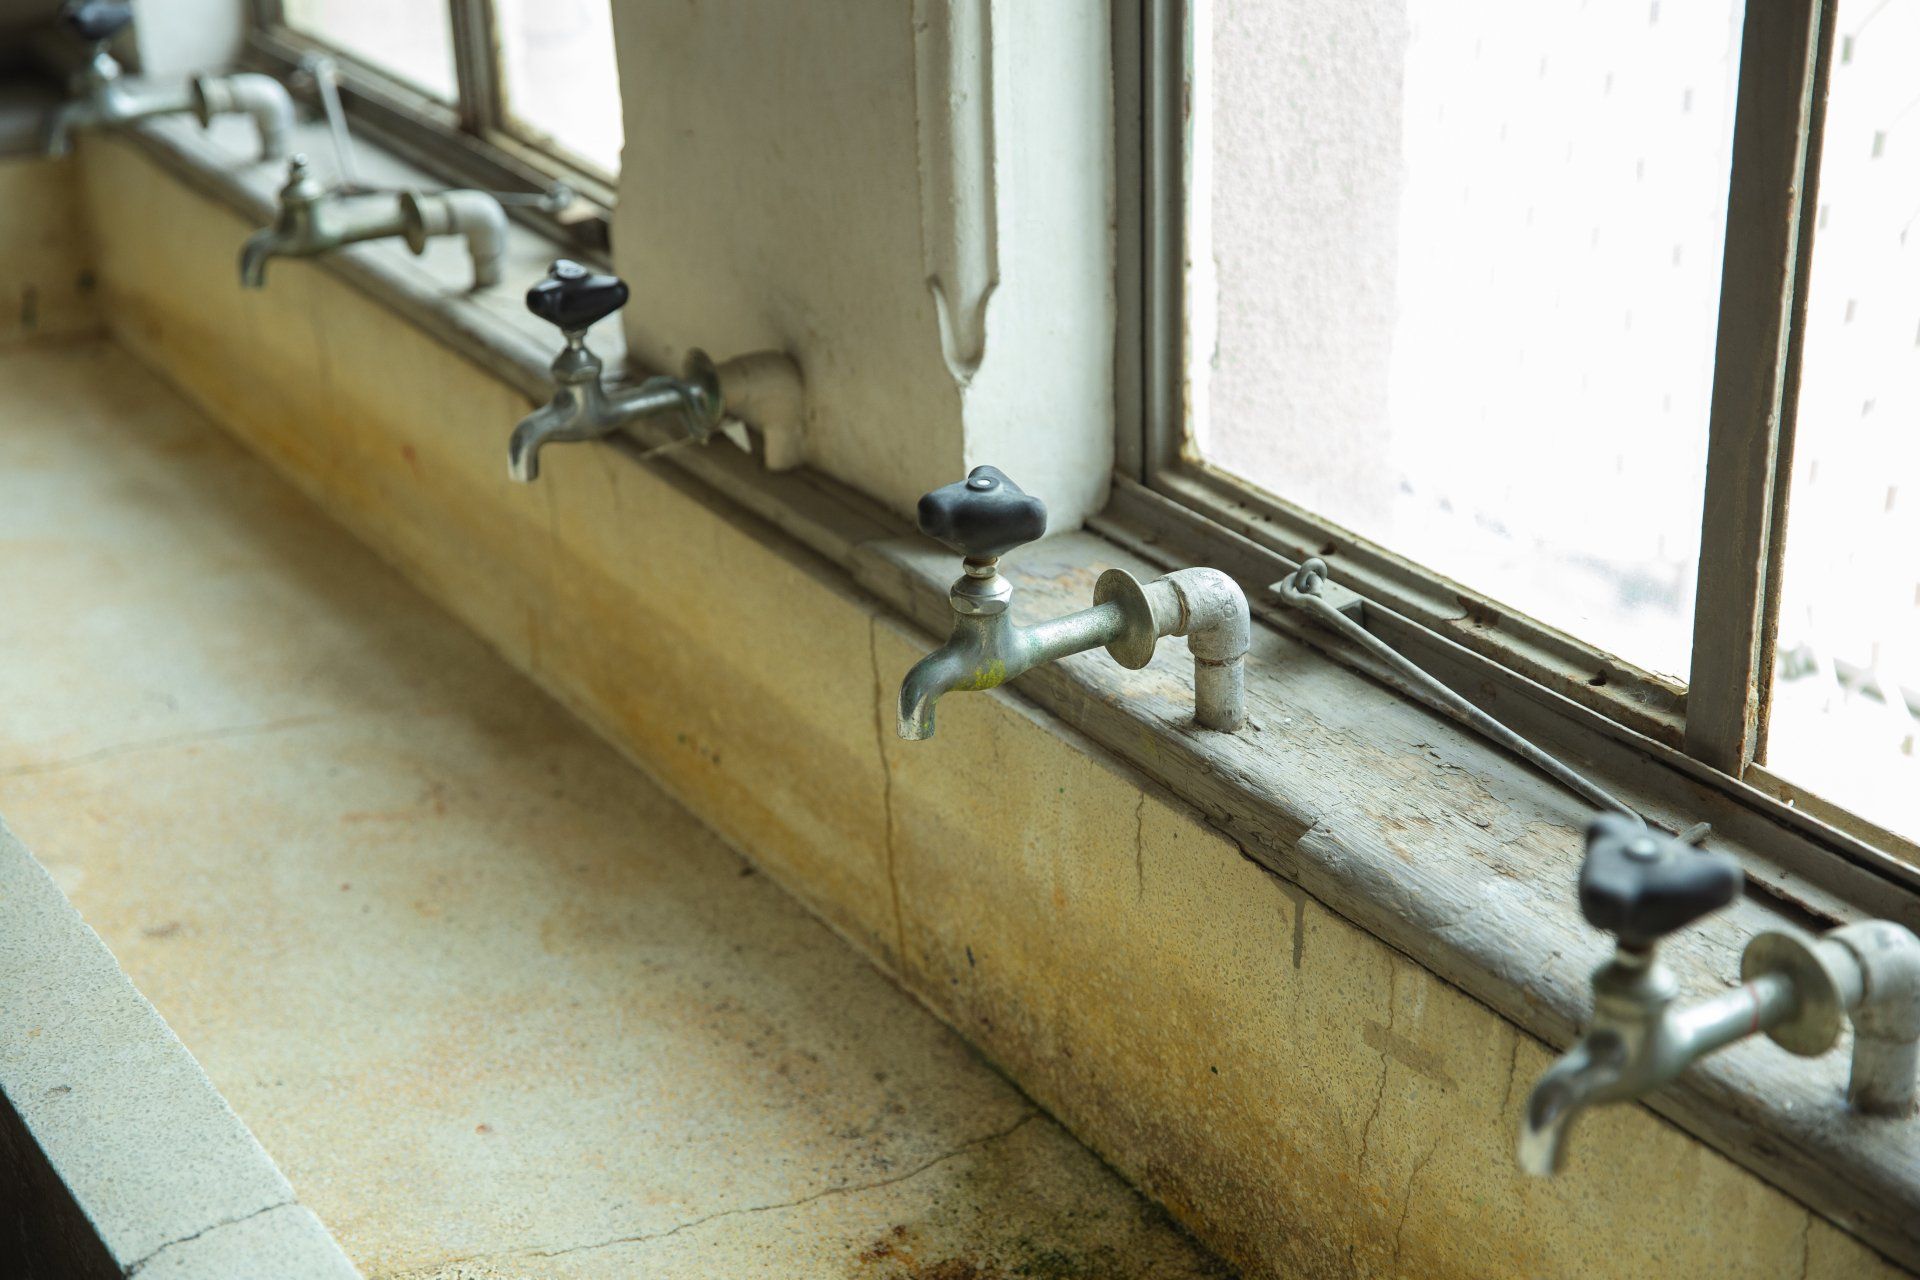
column 46, row 285
column 1306, row 1099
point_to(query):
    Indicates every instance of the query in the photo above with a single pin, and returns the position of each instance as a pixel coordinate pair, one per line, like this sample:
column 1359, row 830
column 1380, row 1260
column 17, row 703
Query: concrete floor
column 496, row 1004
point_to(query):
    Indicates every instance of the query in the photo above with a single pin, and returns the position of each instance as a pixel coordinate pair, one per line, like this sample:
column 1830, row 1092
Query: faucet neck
column 1633, row 988
column 980, row 592
column 102, row 69
column 576, row 363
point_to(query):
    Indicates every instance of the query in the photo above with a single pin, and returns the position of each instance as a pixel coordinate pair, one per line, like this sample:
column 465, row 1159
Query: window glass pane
column 411, row 40
column 1454, row 278
column 558, row 76
column 1847, row 680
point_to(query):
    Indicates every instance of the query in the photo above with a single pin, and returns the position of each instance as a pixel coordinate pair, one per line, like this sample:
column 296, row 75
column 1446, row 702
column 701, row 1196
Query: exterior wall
column 46, row 286
column 1307, row 1100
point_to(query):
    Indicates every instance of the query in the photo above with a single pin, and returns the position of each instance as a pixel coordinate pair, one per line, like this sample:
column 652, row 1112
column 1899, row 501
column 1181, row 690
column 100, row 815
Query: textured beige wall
column 1309, row 1101
column 780, row 204
column 46, row 287
column 168, row 38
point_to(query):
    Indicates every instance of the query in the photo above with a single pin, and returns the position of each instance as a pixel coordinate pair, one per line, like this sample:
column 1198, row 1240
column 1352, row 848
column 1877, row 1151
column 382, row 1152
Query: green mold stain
column 990, row 676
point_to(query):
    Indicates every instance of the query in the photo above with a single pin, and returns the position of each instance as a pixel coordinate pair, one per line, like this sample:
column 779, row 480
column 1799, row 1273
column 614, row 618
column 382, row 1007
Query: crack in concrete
column 1380, row 1091
column 1513, row 1069
column 1140, row 849
column 154, row 744
column 1406, row 1201
column 551, row 561
column 206, row 1230
column 886, row 791
column 855, row 1189
column 1294, row 894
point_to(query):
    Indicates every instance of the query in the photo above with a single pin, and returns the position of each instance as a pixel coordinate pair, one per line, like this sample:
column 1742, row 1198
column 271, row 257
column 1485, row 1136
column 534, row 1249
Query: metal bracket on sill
column 1342, row 600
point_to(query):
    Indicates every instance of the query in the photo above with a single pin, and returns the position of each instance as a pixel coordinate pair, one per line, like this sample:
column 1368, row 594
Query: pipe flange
column 1819, row 1011
column 200, row 92
column 704, row 404
column 413, row 222
column 1133, row 647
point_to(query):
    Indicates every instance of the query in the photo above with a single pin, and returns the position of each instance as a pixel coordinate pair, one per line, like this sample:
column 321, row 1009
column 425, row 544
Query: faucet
column 1641, row 885
column 103, row 98
column 315, row 219
column 985, row 516
column 762, row 388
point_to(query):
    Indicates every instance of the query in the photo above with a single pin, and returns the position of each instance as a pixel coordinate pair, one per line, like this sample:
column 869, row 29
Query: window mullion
column 1166, row 110
column 1790, row 390
column 1783, row 57
column 475, row 64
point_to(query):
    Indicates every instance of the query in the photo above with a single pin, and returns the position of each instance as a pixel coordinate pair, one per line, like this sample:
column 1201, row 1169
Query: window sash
column 1503, row 657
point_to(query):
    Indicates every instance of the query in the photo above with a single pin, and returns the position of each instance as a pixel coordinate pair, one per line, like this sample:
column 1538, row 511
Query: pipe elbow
column 479, row 217
column 1216, row 618
column 475, row 215
column 1219, row 629
column 260, row 97
column 1886, row 1021
column 764, row 389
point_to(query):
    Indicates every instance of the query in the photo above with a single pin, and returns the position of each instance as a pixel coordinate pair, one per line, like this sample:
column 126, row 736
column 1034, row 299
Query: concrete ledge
column 121, row 1157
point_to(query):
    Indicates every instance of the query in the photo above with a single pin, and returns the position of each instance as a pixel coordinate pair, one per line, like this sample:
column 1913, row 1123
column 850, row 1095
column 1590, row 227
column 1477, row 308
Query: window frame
column 1563, row 689
column 471, row 142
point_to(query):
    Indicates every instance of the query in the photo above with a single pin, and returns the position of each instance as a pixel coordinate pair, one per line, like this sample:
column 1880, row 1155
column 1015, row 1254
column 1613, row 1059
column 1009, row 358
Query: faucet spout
column 260, row 246
column 1588, row 1073
column 560, row 420
column 958, row 664
column 56, row 138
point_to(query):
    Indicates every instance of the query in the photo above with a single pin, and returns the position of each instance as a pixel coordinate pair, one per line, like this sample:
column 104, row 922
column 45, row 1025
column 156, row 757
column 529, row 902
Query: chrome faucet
column 103, row 98
column 985, row 516
column 315, row 219
column 1641, row 885
column 762, row 388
